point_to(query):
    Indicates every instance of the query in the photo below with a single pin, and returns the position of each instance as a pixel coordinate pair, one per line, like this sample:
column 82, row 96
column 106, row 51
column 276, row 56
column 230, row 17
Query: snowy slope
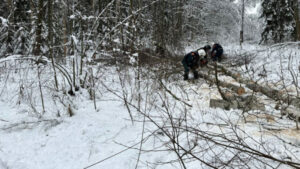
column 106, row 135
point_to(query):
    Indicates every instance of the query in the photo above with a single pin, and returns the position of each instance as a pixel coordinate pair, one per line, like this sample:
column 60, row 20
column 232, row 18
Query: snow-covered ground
column 106, row 137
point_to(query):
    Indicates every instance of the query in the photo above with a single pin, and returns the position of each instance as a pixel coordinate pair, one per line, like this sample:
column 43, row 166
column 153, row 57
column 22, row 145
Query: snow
column 254, row 10
column 74, row 143
column 72, row 16
column 117, row 40
column 12, row 57
column 75, row 40
column 4, row 21
column 34, row 140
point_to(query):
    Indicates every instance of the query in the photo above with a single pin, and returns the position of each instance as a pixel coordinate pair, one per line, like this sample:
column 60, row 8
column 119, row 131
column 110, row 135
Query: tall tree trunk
column 119, row 16
column 296, row 16
column 65, row 36
column 50, row 35
column 65, row 29
column 82, row 47
column 9, row 48
column 242, row 28
column 50, row 39
column 131, row 30
column 38, row 40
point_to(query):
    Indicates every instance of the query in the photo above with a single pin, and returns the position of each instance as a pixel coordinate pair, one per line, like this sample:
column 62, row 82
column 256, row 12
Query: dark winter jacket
column 191, row 60
column 217, row 47
column 217, row 52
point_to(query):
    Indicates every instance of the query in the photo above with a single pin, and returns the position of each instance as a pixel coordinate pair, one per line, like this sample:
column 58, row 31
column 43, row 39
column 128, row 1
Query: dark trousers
column 187, row 70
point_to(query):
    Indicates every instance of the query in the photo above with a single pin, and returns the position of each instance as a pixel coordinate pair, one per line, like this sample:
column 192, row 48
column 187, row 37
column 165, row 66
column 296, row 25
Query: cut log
column 268, row 91
column 223, row 104
column 236, row 100
column 236, row 89
column 241, row 91
column 245, row 103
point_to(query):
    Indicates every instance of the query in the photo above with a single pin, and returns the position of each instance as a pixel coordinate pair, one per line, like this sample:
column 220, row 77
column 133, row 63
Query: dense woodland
column 61, row 28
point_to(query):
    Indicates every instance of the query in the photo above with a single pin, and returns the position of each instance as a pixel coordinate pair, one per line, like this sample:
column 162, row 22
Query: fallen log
column 245, row 103
column 236, row 100
column 236, row 89
column 274, row 94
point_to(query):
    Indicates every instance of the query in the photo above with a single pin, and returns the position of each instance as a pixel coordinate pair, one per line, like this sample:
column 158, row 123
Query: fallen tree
column 274, row 94
column 237, row 99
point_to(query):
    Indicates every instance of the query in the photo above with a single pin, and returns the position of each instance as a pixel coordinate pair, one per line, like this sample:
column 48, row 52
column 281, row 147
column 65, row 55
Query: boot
column 196, row 75
column 185, row 76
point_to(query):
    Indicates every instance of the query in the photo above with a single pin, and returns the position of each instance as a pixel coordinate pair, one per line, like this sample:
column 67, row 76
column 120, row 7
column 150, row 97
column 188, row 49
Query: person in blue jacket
column 191, row 61
column 217, row 52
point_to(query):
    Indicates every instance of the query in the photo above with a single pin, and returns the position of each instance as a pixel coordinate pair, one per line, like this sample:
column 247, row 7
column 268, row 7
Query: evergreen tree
column 280, row 21
column 167, row 25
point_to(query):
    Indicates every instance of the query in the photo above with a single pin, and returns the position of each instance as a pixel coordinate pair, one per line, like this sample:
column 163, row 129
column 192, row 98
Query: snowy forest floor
column 173, row 124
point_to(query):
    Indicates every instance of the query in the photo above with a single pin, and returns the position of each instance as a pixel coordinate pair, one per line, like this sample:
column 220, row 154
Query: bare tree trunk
column 93, row 86
column 40, row 87
column 65, row 32
column 242, row 28
column 11, row 28
column 132, row 22
column 74, row 72
column 31, row 14
column 119, row 16
column 82, row 55
column 38, row 40
column 296, row 16
column 50, row 39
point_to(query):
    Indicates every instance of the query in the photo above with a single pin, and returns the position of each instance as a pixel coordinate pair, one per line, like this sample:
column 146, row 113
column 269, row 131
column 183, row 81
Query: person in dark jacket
column 207, row 49
column 217, row 52
column 191, row 61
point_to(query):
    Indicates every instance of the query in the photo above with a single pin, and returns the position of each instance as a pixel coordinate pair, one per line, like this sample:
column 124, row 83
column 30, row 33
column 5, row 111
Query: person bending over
column 191, row 61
